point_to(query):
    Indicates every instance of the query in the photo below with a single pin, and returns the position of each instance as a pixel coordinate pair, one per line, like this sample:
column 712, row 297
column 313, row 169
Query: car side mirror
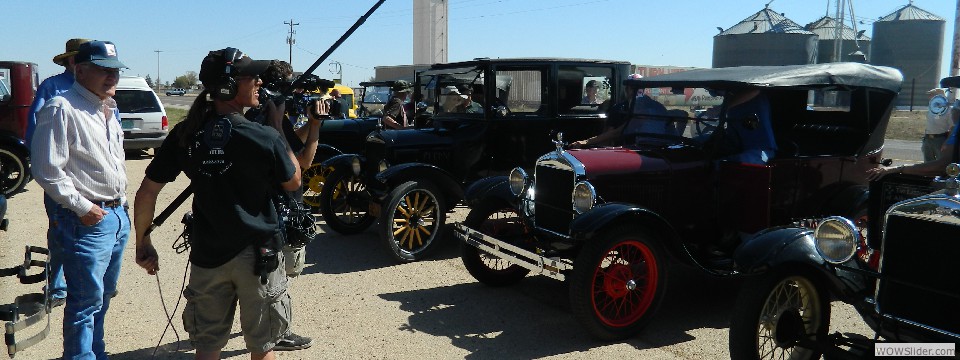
column 500, row 111
column 886, row 162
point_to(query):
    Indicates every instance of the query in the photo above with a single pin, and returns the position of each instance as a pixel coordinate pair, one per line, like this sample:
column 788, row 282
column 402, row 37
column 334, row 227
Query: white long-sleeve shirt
column 76, row 154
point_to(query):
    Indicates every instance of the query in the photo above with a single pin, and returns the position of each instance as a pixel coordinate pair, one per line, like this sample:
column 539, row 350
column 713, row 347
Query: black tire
column 497, row 219
column 625, row 268
column 768, row 306
column 413, row 202
column 13, row 171
column 340, row 203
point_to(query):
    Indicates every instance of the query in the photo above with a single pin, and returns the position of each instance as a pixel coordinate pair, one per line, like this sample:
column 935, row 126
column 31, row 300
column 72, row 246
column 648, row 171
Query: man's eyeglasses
column 256, row 78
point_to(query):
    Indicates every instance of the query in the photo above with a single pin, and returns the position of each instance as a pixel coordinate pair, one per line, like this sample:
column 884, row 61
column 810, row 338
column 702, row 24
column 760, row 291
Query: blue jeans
column 56, row 286
column 91, row 266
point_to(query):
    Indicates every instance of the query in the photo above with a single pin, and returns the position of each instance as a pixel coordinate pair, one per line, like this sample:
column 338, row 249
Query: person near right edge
column 937, row 129
column 236, row 169
column 949, row 153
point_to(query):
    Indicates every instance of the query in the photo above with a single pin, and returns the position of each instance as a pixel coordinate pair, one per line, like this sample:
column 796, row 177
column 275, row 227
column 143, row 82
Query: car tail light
column 164, row 123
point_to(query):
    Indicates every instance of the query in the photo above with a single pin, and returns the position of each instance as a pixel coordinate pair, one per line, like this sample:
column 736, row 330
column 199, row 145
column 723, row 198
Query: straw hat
column 73, row 45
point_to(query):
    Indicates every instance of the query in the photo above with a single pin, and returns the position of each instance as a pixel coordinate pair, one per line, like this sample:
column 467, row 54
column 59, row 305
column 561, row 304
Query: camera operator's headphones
column 226, row 87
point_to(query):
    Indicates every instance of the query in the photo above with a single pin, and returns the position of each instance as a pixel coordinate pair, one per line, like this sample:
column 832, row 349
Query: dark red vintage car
column 18, row 83
column 765, row 146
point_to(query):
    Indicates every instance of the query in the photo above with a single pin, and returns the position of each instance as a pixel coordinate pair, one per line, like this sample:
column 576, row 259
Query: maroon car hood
column 619, row 160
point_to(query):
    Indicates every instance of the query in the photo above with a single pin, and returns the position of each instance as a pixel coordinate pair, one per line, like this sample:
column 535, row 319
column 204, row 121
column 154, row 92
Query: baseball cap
column 100, row 53
column 72, row 47
column 215, row 63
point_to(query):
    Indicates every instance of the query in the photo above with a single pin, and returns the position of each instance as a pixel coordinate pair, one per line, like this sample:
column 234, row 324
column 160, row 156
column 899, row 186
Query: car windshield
column 136, row 101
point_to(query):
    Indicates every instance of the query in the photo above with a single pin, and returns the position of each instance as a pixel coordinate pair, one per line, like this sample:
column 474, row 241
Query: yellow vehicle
column 346, row 96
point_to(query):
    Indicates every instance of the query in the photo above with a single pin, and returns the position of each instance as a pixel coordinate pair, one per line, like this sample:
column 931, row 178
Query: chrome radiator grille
column 554, row 196
column 919, row 272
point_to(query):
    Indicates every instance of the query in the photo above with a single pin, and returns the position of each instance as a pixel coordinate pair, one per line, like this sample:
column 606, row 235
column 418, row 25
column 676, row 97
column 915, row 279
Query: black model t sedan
column 708, row 158
column 482, row 118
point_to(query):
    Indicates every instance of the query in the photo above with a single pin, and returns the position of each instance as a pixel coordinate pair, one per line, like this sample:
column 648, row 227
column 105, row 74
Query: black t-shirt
column 256, row 115
column 235, row 167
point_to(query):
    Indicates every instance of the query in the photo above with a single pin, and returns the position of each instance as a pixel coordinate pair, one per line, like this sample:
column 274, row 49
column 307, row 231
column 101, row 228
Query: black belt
column 107, row 204
column 934, row 136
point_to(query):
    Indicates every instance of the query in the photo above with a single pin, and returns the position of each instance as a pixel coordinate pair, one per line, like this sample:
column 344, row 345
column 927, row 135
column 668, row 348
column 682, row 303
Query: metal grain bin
column 764, row 38
column 850, row 41
column 910, row 39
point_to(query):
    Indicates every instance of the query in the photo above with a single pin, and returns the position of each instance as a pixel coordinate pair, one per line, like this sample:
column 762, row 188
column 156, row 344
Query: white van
column 142, row 116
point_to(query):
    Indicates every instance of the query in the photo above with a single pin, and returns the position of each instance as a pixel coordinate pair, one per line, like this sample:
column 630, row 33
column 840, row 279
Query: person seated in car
column 748, row 125
column 457, row 99
column 647, row 116
column 590, row 93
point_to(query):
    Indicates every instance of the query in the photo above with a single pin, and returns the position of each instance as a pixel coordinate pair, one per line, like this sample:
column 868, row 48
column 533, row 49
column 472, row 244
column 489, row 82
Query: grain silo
column 852, row 45
column 764, row 38
column 910, row 39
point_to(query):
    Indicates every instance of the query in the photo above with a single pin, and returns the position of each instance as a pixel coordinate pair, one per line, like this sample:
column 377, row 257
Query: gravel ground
column 357, row 303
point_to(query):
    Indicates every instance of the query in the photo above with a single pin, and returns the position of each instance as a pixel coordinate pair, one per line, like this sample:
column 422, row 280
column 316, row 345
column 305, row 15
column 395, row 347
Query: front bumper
column 550, row 267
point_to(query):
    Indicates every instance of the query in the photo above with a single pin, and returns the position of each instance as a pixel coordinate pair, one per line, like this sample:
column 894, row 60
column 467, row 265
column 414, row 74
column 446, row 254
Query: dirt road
column 357, row 303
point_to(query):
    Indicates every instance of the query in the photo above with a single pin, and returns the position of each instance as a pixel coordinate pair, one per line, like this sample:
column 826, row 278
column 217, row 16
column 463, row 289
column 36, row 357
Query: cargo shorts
column 212, row 298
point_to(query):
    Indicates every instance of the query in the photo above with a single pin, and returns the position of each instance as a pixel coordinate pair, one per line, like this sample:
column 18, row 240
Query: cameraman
column 303, row 142
column 235, row 167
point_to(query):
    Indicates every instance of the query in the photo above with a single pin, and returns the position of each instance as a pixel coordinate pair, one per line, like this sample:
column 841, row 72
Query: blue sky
column 662, row 32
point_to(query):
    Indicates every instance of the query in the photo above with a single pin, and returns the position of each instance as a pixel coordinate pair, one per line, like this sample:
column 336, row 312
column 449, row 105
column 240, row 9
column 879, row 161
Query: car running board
column 524, row 258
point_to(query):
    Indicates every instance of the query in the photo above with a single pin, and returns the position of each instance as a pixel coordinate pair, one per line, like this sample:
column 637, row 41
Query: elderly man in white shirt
column 77, row 158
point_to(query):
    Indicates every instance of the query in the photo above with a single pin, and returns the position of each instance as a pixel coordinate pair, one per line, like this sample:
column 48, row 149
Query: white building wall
column 429, row 31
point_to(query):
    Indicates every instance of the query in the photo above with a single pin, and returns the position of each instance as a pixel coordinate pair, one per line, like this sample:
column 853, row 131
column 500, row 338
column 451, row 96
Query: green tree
column 181, row 82
column 149, row 80
column 187, row 80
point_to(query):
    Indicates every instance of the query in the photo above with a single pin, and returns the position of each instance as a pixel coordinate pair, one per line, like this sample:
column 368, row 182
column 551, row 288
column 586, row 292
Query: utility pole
column 291, row 40
column 158, row 67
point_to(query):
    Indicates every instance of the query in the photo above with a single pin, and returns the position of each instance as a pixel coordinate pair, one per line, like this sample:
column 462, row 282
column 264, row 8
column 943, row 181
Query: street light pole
column 158, row 69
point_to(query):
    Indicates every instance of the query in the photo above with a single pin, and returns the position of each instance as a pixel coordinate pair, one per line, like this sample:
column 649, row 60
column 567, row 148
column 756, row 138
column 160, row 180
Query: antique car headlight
column 836, row 239
column 355, row 166
column 382, row 166
column 584, row 195
column 518, row 181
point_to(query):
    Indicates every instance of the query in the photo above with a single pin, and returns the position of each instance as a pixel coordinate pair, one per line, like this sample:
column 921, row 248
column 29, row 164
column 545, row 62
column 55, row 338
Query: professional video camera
column 277, row 90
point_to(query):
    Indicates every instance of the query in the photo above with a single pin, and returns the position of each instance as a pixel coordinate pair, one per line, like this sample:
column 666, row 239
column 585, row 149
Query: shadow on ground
column 533, row 319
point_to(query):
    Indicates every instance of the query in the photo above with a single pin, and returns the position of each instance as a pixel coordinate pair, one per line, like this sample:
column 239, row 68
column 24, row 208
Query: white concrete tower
column 429, row 31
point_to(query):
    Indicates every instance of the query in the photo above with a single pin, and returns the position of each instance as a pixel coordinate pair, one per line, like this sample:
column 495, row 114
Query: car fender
column 15, row 144
column 398, row 174
column 489, row 187
column 783, row 247
column 341, row 160
column 325, row 152
column 605, row 216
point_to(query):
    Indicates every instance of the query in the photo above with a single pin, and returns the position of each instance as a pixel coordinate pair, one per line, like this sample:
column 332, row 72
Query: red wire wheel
column 617, row 283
